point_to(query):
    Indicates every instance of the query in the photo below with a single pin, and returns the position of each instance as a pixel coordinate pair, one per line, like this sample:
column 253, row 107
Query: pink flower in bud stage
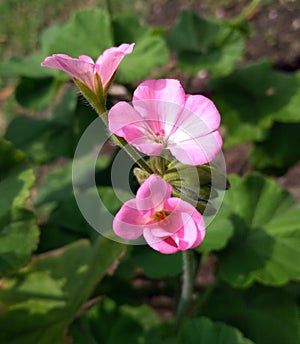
column 164, row 117
column 167, row 223
column 84, row 68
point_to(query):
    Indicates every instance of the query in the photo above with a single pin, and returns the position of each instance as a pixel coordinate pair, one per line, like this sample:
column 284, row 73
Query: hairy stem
column 187, row 284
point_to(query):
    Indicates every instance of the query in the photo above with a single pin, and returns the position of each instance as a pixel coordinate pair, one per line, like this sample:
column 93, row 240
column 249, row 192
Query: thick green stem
column 187, row 284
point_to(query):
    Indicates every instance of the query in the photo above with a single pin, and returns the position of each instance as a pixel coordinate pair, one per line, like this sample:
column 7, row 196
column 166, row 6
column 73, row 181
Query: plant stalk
column 187, row 284
column 120, row 141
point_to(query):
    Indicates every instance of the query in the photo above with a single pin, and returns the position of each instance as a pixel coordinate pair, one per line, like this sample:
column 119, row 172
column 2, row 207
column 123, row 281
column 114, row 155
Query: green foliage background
column 60, row 280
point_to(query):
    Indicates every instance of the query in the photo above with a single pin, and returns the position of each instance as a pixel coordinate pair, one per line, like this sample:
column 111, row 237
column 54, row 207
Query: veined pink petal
column 205, row 110
column 84, row 68
column 167, row 90
column 197, row 151
column 124, row 115
column 108, row 62
column 79, row 69
column 160, row 102
column 198, row 118
column 152, row 194
column 126, row 122
column 128, row 222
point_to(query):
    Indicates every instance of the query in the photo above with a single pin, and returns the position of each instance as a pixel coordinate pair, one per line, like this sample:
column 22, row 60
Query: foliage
column 62, row 281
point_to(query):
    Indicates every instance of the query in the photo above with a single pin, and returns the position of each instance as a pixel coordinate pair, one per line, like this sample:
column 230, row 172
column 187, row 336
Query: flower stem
column 187, row 284
column 120, row 141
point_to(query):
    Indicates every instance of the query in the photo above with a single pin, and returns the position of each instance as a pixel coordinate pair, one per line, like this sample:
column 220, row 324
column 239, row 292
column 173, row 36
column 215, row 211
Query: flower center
column 159, row 136
column 161, row 215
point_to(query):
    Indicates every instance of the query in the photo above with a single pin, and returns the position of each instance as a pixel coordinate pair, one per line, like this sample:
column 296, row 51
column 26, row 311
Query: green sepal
column 97, row 100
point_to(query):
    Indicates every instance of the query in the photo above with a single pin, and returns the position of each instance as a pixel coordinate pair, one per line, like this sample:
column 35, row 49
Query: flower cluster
column 170, row 127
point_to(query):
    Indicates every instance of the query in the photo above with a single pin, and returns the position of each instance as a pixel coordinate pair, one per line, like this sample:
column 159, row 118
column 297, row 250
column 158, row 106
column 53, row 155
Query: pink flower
column 164, row 117
column 84, row 68
column 167, row 223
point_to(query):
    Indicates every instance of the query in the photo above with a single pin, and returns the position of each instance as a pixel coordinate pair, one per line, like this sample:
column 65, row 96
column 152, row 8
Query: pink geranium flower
column 84, row 68
column 164, row 117
column 167, row 223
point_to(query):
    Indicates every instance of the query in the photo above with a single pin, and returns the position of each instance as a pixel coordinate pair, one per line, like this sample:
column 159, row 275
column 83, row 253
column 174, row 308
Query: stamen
column 161, row 215
column 159, row 136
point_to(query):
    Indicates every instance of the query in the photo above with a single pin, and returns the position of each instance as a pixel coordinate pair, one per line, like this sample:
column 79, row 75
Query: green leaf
column 251, row 98
column 47, row 139
column 279, row 150
column 18, row 230
column 265, row 315
column 39, row 302
column 88, row 32
column 9, row 157
column 265, row 244
column 36, row 94
column 204, row 331
column 218, row 233
column 202, row 44
column 155, row 264
column 150, row 49
column 19, row 238
column 26, row 67
column 128, row 321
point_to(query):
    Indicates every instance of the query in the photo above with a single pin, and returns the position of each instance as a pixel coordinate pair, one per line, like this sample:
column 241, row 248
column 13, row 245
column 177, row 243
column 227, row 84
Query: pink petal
column 126, row 122
column 79, row 69
column 199, row 117
column 160, row 102
column 128, row 222
column 205, row 110
column 166, row 246
column 166, row 227
column 197, row 151
column 86, row 59
column 167, row 90
column 186, row 230
column 187, row 213
column 108, row 62
column 152, row 194
column 190, row 235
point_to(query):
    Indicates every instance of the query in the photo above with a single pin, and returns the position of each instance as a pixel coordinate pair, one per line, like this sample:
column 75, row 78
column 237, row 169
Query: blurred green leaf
column 218, row 233
column 150, row 50
column 265, row 245
column 205, row 44
column 38, row 303
column 44, row 140
column 127, row 29
column 204, row 331
column 265, row 315
column 155, row 264
column 18, row 230
column 279, row 150
column 9, row 157
column 108, row 323
column 88, row 32
column 36, row 94
column 29, row 67
column 251, row 98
